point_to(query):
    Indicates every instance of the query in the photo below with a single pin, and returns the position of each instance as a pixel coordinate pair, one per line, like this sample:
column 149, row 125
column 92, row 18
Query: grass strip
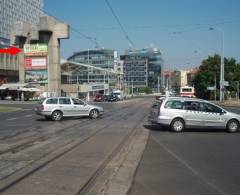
column 8, row 109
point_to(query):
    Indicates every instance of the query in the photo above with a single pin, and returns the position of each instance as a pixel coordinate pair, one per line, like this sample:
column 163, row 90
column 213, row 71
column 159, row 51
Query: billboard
column 39, row 76
column 35, row 49
column 35, row 63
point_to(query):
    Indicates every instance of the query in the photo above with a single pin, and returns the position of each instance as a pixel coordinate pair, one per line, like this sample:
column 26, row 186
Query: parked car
column 100, row 98
column 179, row 113
column 112, row 98
column 119, row 94
column 57, row 107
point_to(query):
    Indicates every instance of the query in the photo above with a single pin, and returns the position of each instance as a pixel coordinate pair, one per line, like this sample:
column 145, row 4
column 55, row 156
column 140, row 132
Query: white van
column 118, row 93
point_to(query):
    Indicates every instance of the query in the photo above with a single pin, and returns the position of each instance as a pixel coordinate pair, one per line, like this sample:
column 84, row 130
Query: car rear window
column 52, row 101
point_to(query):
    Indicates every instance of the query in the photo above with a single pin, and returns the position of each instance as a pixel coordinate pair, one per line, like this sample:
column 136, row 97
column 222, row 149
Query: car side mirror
column 222, row 112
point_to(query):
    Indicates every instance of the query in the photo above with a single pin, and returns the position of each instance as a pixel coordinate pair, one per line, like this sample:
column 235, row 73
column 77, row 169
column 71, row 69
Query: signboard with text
column 39, row 76
column 35, row 63
column 35, row 49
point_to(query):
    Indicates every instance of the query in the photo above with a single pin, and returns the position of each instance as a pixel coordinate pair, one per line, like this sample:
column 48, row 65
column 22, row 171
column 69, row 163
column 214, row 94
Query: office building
column 104, row 59
column 142, row 67
column 12, row 11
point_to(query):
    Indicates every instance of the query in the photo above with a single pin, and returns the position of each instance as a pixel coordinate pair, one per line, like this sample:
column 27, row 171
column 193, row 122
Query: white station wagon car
column 57, row 107
column 179, row 113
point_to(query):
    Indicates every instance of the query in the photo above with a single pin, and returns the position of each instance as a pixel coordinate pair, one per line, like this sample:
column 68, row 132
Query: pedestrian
column 22, row 96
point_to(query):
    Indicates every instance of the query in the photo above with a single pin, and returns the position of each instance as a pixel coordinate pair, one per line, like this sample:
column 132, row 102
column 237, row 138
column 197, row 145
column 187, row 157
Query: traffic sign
column 211, row 88
column 224, row 83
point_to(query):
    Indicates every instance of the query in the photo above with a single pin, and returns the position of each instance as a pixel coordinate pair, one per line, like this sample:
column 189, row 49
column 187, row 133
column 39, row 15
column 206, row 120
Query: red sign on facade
column 35, row 63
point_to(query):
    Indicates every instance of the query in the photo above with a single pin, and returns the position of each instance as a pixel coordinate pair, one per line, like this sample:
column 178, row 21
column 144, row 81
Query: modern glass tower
column 12, row 11
column 142, row 67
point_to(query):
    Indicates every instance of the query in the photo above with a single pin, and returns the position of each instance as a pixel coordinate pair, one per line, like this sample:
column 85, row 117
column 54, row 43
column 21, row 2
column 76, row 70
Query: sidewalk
column 230, row 103
column 2, row 102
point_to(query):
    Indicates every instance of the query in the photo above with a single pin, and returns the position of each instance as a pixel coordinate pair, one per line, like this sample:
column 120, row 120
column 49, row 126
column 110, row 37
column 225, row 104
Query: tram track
column 33, row 167
column 36, row 135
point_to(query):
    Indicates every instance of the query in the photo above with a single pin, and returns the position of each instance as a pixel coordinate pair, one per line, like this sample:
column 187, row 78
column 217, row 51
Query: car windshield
column 78, row 101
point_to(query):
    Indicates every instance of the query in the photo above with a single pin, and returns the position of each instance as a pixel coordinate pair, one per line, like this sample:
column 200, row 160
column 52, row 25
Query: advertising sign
column 35, row 49
column 35, row 63
column 39, row 76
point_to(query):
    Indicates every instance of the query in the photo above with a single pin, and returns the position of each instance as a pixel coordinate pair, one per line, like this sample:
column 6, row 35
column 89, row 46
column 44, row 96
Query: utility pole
column 237, row 95
column 215, row 88
column 132, row 88
column 222, row 80
column 88, row 68
column 238, row 90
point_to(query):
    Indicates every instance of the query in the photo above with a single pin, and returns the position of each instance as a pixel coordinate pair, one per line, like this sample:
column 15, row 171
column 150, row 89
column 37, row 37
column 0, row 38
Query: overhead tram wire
column 119, row 23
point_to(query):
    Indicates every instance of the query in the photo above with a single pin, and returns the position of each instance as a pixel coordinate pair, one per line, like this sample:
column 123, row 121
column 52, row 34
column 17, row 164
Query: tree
column 209, row 70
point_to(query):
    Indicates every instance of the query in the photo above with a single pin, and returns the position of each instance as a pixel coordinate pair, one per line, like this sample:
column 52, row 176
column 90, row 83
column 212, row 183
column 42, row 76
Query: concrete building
column 142, row 67
column 12, row 12
column 175, row 79
column 191, row 75
column 183, row 76
column 41, row 51
column 74, row 80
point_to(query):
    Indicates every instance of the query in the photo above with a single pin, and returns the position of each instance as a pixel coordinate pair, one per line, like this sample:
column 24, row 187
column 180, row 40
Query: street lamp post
column 222, row 84
column 237, row 95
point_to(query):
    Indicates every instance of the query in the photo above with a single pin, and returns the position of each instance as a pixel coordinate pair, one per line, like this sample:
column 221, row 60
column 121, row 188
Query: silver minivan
column 180, row 113
column 57, row 107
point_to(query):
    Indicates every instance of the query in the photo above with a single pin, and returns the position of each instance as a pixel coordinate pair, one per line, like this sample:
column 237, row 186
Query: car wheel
column 177, row 125
column 94, row 114
column 57, row 115
column 232, row 126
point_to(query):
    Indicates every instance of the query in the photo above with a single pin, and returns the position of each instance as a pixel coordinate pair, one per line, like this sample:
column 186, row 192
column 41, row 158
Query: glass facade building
column 104, row 59
column 12, row 11
column 142, row 67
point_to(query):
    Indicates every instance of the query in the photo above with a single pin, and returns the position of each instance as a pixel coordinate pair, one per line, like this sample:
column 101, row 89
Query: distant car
column 112, row 98
column 119, row 94
column 9, row 97
column 56, row 108
column 179, row 113
column 100, row 98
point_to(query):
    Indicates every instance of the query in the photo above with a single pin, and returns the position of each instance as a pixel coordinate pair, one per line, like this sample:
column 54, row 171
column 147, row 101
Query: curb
column 119, row 173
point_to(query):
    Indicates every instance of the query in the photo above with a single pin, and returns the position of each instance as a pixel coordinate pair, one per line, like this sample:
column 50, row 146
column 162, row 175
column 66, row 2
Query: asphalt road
column 193, row 162
column 62, row 157
column 21, row 120
column 25, row 118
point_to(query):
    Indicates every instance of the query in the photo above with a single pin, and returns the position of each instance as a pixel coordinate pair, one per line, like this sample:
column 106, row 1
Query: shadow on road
column 188, row 130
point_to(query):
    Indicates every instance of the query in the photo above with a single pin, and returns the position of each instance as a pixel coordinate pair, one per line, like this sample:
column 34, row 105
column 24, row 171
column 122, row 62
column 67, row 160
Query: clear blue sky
column 179, row 28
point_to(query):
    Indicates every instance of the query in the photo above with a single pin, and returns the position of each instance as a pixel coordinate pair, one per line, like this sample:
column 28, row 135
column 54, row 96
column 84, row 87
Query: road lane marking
column 29, row 115
column 195, row 172
column 11, row 119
